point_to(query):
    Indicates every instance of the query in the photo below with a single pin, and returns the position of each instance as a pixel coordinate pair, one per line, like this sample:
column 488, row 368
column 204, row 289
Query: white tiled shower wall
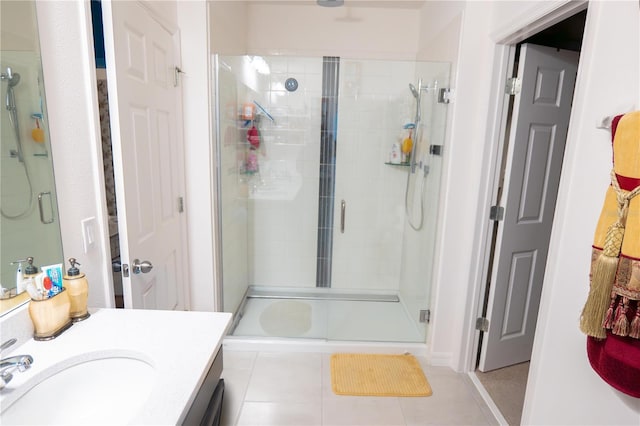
column 283, row 200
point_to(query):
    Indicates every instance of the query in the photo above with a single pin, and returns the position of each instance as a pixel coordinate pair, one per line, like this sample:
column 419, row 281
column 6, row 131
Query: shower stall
column 328, row 187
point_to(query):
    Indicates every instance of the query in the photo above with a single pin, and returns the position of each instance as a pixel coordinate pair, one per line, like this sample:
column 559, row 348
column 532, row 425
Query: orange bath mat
column 378, row 375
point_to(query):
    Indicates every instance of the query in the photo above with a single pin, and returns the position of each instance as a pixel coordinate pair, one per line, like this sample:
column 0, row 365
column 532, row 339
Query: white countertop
column 180, row 346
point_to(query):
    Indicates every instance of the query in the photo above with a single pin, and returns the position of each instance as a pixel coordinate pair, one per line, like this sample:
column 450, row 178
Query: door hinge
column 482, row 324
column 496, row 213
column 425, row 315
column 180, row 205
column 513, row 86
column 445, row 95
column 435, row 149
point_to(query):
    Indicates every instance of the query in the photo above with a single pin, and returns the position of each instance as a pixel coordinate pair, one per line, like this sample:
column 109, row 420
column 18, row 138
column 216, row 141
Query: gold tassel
column 602, row 278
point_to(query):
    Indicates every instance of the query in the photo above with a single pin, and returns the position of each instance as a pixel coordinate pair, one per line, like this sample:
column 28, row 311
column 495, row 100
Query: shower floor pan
column 325, row 314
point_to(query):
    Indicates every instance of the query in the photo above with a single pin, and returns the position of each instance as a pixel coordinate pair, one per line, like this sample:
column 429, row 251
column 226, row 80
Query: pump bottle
column 76, row 284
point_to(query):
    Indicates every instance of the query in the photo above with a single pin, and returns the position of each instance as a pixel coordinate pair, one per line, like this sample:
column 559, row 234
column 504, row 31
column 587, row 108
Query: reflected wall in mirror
column 29, row 225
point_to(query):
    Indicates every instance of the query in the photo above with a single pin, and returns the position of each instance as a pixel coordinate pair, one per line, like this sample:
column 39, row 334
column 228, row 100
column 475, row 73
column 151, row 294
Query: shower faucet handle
column 7, row 75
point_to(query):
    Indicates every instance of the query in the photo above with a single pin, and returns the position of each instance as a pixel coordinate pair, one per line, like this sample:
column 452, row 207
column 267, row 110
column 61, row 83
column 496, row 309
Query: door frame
column 498, row 114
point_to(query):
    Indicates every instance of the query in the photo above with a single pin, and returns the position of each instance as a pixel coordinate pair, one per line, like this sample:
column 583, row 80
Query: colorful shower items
column 253, row 136
column 611, row 315
column 252, row 162
column 37, row 134
column 407, row 143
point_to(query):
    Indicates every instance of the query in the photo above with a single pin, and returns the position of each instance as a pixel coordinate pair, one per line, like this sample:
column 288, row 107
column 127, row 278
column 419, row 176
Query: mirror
column 29, row 225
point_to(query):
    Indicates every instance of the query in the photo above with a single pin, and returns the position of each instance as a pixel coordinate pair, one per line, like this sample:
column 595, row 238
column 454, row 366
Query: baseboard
column 487, row 399
column 440, row 359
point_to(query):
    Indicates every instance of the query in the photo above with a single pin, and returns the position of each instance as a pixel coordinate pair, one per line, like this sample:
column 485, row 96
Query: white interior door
column 536, row 146
column 147, row 154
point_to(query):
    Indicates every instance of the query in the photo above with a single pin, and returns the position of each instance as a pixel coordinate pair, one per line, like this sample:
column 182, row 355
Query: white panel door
column 536, row 146
column 147, row 154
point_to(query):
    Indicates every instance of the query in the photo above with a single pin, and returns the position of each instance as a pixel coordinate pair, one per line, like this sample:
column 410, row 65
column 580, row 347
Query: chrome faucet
column 13, row 363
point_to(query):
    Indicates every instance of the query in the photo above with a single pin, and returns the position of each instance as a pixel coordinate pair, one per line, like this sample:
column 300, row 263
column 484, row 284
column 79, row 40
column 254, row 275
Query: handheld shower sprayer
column 417, row 92
column 12, row 79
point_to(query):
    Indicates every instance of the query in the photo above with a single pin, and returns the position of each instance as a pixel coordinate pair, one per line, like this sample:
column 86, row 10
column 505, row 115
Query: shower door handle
column 343, row 209
column 41, row 207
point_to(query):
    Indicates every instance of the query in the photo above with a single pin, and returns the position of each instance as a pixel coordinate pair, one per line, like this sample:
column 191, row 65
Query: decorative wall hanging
column 611, row 315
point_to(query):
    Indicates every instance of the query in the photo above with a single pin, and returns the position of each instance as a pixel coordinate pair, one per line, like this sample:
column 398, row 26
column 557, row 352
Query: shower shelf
column 397, row 164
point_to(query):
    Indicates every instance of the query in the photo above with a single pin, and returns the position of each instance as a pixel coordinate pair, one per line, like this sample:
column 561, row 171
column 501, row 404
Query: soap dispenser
column 30, row 271
column 19, row 276
column 26, row 274
column 76, row 284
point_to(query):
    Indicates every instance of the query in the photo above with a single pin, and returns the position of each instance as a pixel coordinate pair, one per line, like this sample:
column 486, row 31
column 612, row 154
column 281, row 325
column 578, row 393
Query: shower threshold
column 326, row 314
column 318, row 294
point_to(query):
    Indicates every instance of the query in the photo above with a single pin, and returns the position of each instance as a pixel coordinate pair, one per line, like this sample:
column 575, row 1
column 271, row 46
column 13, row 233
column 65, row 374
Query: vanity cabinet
column 206, row 409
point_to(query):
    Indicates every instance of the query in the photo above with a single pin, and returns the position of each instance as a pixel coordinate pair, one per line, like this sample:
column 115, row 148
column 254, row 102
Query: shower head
column 13, row 78
column 414, row 91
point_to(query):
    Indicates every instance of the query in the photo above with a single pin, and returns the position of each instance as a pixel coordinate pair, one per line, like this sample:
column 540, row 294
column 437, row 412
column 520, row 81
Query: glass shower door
column 375, row 251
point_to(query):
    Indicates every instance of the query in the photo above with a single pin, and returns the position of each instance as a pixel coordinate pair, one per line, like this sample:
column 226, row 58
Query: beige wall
column 17, row 26
column 440, row 25
column 304, row 29
column 228, row 27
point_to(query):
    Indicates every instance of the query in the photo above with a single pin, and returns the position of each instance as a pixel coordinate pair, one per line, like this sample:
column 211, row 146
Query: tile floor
column 292, row 388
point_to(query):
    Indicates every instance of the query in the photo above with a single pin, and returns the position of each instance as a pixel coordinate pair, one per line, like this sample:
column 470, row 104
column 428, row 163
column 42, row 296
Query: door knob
column 141, row 267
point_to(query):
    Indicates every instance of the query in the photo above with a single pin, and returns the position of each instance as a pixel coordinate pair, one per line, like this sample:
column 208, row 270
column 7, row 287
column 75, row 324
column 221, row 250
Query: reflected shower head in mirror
column 12, row 78
column 414, row 91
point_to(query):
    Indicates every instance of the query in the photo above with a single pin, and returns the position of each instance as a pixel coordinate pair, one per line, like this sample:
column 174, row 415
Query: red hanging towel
column 611, row 317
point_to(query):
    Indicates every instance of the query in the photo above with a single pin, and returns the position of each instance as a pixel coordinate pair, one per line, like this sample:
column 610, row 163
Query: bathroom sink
column 88, row 389
column 120, row 366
